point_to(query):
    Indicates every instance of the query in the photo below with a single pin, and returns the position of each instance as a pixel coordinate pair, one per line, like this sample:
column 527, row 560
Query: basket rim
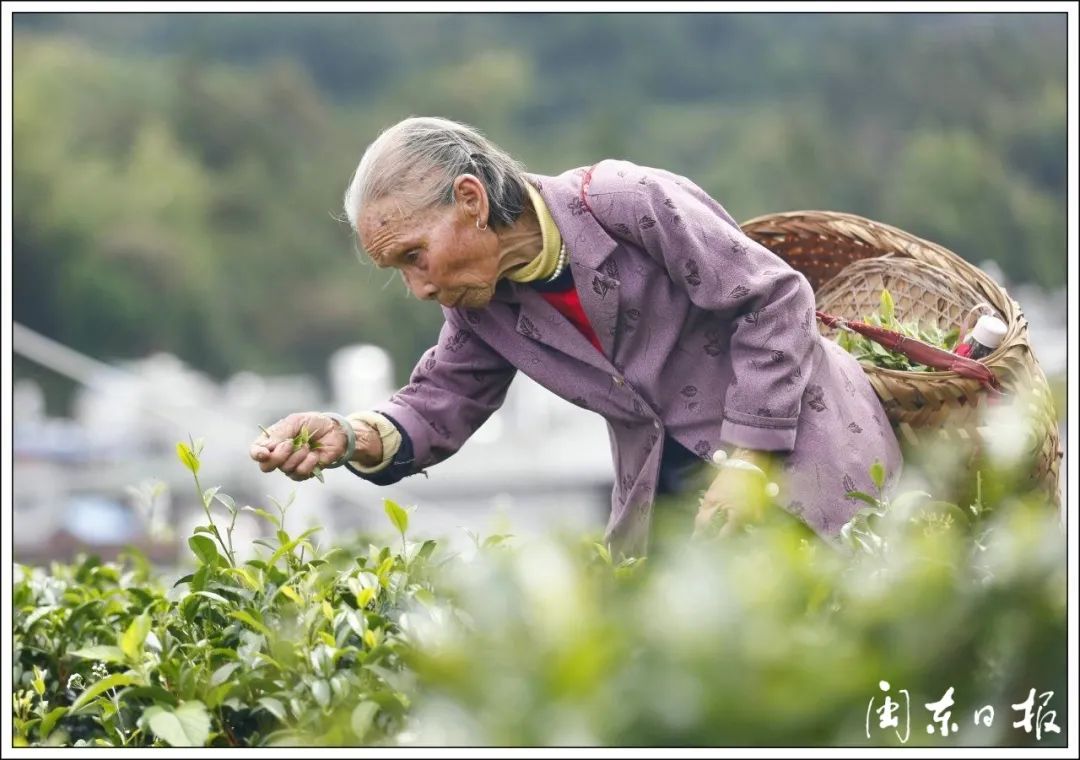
column 1014, row 315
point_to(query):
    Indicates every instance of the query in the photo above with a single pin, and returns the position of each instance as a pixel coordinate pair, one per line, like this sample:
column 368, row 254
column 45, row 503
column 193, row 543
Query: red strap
column 586, row 180
column 918, row 351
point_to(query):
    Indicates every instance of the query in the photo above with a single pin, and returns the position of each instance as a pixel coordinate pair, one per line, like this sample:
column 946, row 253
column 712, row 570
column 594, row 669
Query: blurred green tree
column 178, row 177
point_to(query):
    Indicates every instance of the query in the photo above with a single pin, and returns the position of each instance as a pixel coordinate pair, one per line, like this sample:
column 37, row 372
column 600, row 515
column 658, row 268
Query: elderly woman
column 627, row 291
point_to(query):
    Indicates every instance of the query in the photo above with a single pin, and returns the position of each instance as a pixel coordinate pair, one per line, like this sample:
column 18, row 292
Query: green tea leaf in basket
column 869, row 351
column 888, row 309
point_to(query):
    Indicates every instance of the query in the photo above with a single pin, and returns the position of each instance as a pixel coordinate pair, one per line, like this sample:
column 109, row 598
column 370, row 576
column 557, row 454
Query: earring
column 478, row 225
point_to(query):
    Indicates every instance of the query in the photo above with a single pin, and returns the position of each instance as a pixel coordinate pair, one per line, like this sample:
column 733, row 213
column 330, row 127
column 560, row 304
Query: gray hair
column 419, row 159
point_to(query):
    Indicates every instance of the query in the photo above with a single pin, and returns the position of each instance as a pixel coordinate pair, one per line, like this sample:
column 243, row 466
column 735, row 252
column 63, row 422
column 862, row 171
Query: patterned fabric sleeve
column 454, row 388
column 770, row 306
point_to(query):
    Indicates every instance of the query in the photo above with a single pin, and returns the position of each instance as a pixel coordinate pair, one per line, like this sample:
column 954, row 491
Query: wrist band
column 350, row 436
column 721, row 460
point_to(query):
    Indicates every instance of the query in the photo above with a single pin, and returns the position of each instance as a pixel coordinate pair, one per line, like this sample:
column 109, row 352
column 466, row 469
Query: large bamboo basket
column 848, row 260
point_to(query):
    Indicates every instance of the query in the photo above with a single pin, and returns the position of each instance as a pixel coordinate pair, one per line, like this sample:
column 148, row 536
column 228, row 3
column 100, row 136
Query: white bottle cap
column 989, row 331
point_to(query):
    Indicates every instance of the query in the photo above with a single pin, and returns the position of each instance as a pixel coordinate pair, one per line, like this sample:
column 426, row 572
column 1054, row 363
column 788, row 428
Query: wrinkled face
column 439, row 251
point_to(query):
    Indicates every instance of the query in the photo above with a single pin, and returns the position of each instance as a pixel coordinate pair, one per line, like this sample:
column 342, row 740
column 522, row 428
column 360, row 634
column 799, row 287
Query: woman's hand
column 733, row 499
column 299, row 443
column 736, row 497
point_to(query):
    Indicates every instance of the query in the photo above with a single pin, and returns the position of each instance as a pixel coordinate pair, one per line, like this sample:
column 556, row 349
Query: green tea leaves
column 272, row 519
column 871, row 352
column 363, row 715
column 398, row 516
column 248, row 619
column 888, row 309
column 877, row 474
column 187, row 457
column 101, row 653
column 131, row 641
column 205, row 550
column 185, row 726
column 117, row 681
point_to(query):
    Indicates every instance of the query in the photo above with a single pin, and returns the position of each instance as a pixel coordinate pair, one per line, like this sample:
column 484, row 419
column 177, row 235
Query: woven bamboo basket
column 848, row 260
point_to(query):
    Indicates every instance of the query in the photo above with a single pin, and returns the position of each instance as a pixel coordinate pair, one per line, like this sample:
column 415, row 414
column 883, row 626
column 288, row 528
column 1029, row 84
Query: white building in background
column 537, row 464
column 360, row 377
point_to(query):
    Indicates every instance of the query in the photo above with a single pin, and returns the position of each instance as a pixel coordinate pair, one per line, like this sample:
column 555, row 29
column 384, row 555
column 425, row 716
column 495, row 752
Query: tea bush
column 769, row 637
column 295, row 642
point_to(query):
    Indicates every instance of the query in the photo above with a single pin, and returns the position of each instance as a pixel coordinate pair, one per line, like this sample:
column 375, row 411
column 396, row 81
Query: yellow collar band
column 543, row 266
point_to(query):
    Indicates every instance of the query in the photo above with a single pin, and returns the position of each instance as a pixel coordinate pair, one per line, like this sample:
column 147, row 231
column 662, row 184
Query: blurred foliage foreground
column 926, row 623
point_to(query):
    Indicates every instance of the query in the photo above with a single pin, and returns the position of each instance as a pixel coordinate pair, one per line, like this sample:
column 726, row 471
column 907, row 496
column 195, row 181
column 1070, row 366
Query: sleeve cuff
column 763, row 434
column 400, row 465
column 388, row 432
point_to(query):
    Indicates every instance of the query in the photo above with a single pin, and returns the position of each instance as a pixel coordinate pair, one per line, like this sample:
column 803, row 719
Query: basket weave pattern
column 848, row 260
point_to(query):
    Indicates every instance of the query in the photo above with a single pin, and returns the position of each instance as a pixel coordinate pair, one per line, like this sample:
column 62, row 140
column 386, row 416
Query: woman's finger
column 258, row 451
column 294, row 459
column 307, row 466
column 278, row 454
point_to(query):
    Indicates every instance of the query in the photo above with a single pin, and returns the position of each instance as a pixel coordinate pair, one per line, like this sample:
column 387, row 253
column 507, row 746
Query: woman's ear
column 471, row 197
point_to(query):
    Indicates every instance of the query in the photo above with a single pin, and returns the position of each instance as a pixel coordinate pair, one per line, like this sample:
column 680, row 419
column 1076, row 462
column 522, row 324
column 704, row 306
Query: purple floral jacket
column 708, row 338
